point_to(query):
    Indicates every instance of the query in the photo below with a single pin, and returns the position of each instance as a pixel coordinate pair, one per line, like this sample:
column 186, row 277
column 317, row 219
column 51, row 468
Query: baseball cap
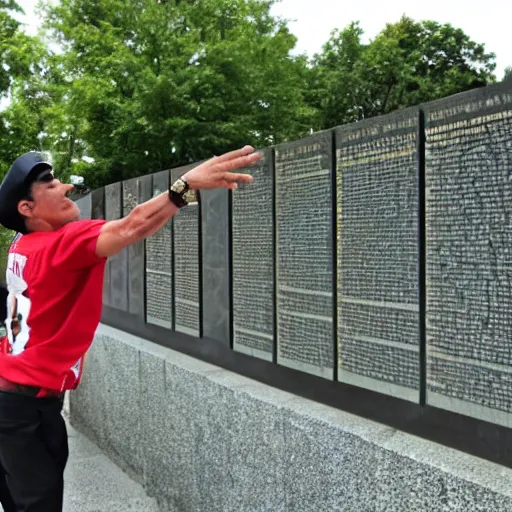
column 26, row 169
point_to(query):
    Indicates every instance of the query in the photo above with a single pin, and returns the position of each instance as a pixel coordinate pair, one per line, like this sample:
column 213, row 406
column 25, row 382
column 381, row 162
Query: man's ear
column 25, row 208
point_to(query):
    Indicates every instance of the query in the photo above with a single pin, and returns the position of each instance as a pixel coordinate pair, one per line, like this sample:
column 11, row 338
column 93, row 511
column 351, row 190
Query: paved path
column 93, row 483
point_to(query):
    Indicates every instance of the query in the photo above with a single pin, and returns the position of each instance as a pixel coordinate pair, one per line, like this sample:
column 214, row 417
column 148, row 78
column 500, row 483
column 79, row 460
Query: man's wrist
column 180, row 193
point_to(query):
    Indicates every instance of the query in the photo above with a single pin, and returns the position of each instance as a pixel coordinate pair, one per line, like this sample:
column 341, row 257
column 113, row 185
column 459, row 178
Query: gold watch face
column 190, row 196
column 179, row 186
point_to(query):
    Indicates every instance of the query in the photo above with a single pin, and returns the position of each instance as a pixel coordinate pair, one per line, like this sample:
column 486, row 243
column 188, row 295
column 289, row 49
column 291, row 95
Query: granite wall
column 203, row 439
column 376, row 255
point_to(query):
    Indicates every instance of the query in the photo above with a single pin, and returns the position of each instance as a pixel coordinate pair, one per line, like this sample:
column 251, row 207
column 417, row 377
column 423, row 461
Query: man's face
column 49, row 203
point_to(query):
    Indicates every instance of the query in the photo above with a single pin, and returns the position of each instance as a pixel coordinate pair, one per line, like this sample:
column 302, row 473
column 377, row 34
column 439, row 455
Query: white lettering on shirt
column 18, row 306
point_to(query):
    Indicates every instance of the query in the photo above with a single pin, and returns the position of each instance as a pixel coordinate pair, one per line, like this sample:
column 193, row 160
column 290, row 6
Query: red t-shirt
column 54, row 305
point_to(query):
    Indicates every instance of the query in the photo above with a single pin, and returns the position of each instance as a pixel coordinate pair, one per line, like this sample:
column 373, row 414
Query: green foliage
column 406, row 64
column 156, row 84
column 10, row 56
column 138, row 86
column 23, row 66
column 335, row 78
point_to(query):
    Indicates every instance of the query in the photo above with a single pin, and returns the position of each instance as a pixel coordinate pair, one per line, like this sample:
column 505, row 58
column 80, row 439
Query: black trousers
column 33, row 451
column 5, row 495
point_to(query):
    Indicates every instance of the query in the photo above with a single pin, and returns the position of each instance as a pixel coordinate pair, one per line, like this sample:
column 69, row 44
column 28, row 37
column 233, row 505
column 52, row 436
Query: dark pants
column 5, row 495
column 33, row 451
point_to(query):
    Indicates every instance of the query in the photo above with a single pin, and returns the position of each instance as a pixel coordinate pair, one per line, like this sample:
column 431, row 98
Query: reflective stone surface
column 469, row 294
column 253, row 263
column 136, row 191
column 117, row 275
column 304, row 255
column 187, row 266
column 377, row 221
column 215, row 252
column 159, row 266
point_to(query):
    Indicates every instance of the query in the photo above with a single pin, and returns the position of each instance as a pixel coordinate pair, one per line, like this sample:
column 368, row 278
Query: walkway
column 93, row 483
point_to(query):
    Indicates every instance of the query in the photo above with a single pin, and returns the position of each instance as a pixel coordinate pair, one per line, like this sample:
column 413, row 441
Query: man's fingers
column 246, row 150
column 229, row 186
column 237, row 178
column 238, row 163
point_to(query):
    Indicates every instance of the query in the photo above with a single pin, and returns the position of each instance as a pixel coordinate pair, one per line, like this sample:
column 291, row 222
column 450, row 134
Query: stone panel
column 215, row 261
column 159, row 267
column 85, row 205
column 469, row 294
column 378, row 294
column 187, row 268
column 253, row 262
column 98, row 203
column 304, row 255
column 117, row 275
column 98, row 212
column 136, row 191
column 113, row 205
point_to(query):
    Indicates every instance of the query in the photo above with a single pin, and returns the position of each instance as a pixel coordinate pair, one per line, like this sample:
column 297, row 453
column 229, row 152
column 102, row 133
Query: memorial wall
column 187, row 274
column 376, row 254
column 253, row 263
column 469, row 253
column 303, row 178
column 159, row 267
column 378, row 295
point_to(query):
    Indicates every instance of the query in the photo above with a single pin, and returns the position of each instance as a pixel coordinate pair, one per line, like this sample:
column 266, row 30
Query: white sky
column 484, row 21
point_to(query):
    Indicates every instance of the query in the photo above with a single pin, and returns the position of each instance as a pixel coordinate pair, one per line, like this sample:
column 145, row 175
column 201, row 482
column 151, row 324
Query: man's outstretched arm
column 149, row 217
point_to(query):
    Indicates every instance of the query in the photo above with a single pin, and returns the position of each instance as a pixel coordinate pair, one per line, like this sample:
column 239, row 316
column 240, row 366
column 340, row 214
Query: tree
column 508, row 73
column 143, row 85
column 11, row 59
column 156, row 84
column 22, row 60
column 335, row 80
column 407, row 63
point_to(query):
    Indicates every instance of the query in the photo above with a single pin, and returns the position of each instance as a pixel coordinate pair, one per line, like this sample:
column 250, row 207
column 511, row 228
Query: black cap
column 15, row 187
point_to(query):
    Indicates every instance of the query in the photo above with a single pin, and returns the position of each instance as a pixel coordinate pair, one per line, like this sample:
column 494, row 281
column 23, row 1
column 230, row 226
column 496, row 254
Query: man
column 54, row 278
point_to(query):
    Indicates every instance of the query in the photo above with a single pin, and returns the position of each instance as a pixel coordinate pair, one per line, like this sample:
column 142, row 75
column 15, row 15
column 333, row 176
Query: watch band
column 180, row 193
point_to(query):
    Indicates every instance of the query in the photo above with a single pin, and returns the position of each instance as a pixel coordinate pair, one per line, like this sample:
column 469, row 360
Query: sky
column 313, row 20
column 485, row 22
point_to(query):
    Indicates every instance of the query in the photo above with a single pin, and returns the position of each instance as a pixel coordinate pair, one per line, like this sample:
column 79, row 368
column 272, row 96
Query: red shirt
column 54, row 305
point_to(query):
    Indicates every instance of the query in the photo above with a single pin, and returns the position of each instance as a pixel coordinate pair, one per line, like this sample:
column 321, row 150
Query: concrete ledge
column 201, row 438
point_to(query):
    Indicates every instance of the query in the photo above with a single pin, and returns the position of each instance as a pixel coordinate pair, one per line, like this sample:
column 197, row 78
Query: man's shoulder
column 31, row 242
column 44, row 237
column 44, row 244
column 80, row 229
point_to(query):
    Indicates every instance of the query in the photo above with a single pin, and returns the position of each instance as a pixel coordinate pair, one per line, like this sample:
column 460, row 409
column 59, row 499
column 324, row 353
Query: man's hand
column 149, row 217
column 218, row 172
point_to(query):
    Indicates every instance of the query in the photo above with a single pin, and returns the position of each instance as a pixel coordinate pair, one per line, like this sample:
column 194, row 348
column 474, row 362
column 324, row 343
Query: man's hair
column 42, row 177
column 28, row 194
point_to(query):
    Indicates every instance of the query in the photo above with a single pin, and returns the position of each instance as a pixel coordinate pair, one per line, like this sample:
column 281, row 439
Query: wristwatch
column 181, row 195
